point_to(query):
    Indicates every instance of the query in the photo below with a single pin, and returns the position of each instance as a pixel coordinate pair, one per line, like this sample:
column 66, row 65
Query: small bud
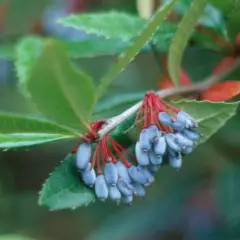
column 111, row 174
column 160, row 146
column 114, row 193
column 178, row 125
column 165, row 119
column 127, row 199
column 183, row 141
column 137, row 175
column 83, row 155
column 153, row 133
column 171, row 141
column 155, row 159
column 147, row 174
column 89, row 175
column 101, row 188
column 175, row 162
column 139, row 190
column 192, row 135
column 144, row 140
column 123, row 171
column 142, row 157
column 125, row 187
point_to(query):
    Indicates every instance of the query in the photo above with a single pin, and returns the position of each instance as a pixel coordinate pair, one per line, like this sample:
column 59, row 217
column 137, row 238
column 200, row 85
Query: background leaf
column 127, row 56
column 109, row 24
column 181, row 37
column 222, row 91
column 63, row 189
column 14, row 237
column 60, row 91
column 28, row 50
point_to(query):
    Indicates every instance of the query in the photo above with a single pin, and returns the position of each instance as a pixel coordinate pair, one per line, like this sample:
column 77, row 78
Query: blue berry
column 153, row 168
column 101, row 188
column 137, row 175
column 111, row 174
column 187, row 150
column 153, row 133
column 139, row 190
column 145, row 144
column 183, row 141
column 186, row 119
column 160, row 146
column 147, row 174
column 127, row 199
column 83, row 155
column 114, row 193
column 175, row 161
column 155, row 159
column 192, row 135
column 123, row 171
column 165, row 119
column 89, row 176
column 171, row 141
column 125, row 187
column 142, row 157
column 178, row 125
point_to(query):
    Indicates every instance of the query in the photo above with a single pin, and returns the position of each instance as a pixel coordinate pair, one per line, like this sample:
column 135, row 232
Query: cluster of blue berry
column 117, row 174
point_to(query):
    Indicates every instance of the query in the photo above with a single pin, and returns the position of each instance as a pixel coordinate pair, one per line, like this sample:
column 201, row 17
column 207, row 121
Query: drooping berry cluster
column 164, row 130
column 114, row 172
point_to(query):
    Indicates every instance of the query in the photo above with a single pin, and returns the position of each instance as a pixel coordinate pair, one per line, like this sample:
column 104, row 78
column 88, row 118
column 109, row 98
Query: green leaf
column 22, row 131
column 95, row 47
column 180, row 40
column 63, row 189
column 110, row 24
column 14, row 237
column 233, row 24
column 60, row 91
column 210, row 116
column 227, row 7
column 28, row 50
column 127, row 56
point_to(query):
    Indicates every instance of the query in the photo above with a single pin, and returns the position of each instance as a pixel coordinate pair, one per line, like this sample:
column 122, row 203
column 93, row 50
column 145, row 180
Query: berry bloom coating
column 89, row 176
column 160, row 147
column 165, row 119
column 186, row 119
column 153, row 168
column 123, row 171
column 114, row 193
column 183, row 141
column 171, row 141
column 137, row 175
column 127, row 199
column 145, row 144
column 154, row 158
column 178, row 125
column 142, row 156
column 153, row 134
column 101, row 188
column 125, row 187
column 192, row 135
column 147, row 174
column 139, row 190
column 111, row 174
column 175, row 162
column 83, row 155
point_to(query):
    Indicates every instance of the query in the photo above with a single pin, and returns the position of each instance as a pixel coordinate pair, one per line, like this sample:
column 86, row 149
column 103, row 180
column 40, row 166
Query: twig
column 198, row 87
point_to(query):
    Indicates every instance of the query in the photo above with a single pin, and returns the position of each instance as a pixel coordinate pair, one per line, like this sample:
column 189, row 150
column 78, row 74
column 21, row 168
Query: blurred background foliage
column 202, row 201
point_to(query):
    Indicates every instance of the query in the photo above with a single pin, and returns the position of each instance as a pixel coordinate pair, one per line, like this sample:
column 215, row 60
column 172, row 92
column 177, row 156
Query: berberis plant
column 117, row 157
